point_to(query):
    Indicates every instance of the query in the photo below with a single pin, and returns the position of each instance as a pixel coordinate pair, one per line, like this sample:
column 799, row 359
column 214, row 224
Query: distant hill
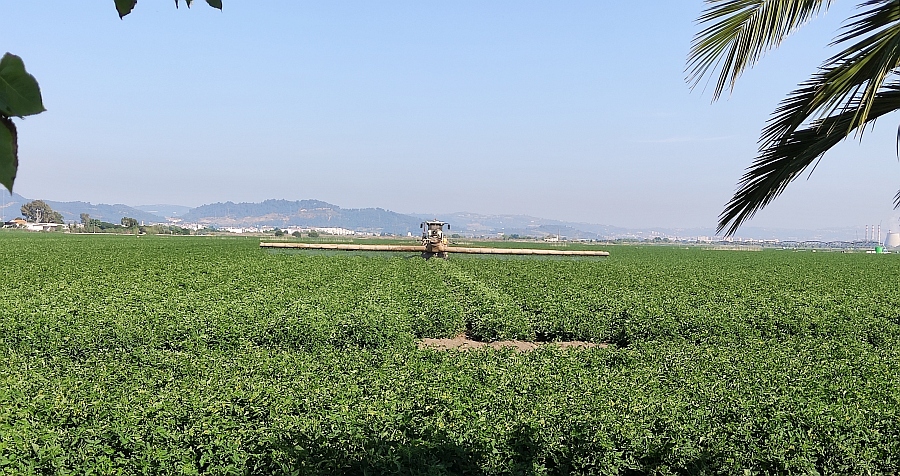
column 316, row 213
column 478, row 224
column 71, row 211
column 11, row 205
column 313, row 213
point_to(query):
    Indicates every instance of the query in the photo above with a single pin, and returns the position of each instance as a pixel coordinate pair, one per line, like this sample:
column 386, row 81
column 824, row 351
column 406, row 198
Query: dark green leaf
column 124, row 7
column 850, row 79
column 781, row 162
column 848, row 91
column 212, row 3
column 20, row 94
column 740, row 32
column 9, row 159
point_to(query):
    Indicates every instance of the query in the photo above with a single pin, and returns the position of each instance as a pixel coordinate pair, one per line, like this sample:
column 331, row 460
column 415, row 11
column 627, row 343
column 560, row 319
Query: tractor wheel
column 427, row 254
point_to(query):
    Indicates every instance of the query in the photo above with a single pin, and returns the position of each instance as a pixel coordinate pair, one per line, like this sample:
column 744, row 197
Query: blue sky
column 568, row 110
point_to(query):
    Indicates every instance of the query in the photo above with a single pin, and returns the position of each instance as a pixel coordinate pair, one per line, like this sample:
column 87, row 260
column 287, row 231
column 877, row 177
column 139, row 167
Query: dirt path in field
column 462, row 343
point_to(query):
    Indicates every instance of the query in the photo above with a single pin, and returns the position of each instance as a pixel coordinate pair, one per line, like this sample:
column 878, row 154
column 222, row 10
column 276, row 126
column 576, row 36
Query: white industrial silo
column 892, row 240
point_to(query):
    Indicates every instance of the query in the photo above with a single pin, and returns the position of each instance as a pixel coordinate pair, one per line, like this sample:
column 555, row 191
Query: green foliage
column 39, row 211
column 9, row 152
column 92, row 225
column 313, row 234
column 104, row 225
column 212, row 3
column 209, row 355
column 20, row 96
column 129, row 222
column 741, row 32
column 848, row 92
column 166, row 230
column 124, row 7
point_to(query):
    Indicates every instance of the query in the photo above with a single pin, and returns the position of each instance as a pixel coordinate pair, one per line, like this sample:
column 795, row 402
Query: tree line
column 38, row 211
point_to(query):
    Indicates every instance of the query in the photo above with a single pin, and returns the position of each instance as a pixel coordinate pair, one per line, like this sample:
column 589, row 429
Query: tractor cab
column 433, row 231
column 433, row 238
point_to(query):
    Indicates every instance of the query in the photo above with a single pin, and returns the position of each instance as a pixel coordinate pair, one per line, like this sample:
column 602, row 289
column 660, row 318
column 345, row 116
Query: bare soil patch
column 461, row 342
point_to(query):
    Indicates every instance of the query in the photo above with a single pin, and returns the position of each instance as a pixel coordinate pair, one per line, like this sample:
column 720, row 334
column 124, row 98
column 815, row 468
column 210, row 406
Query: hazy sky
column 568, row 110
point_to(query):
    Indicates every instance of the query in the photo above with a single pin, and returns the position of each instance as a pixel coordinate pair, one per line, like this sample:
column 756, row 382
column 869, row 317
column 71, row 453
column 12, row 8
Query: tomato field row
column 168, row 355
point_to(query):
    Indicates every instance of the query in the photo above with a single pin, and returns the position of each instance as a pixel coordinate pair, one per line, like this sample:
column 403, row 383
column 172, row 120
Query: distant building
column 22, row 223
column 334, row 231
column 42, row 226
column 16, row 222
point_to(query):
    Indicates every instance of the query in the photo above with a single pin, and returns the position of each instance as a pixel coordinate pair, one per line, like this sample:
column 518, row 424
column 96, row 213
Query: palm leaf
column 741, row 32
column 780, row 164
column 850, row 79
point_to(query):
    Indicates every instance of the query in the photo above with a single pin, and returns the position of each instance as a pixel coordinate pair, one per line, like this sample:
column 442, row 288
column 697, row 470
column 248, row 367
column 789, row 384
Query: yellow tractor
column 433, row 239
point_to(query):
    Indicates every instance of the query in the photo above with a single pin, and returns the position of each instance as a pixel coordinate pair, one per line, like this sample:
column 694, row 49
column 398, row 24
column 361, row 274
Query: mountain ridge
column 310, row 213
column 320, row 214
column 71, row 211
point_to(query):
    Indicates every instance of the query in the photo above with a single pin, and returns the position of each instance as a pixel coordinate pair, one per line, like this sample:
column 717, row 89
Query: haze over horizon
column 575, row 111
column 280, row 212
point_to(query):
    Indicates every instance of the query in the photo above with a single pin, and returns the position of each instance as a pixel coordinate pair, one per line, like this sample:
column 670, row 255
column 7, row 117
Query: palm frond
column 740, row 32
column 849, row 80
column 782, row 162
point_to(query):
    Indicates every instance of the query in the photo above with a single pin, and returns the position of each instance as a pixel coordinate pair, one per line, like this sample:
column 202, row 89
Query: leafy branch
column 846, row 94
column 124, row 7
column 20, row 96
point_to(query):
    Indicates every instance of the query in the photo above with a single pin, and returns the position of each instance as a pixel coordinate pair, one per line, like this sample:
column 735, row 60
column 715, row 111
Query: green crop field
column 168, row 355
